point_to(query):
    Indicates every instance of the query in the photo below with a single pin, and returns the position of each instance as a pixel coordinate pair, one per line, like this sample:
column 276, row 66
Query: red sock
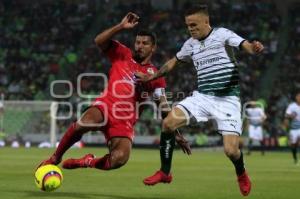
column 70, row 137
column 101, row 163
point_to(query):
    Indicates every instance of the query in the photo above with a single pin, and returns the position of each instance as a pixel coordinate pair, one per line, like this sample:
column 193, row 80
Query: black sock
column 239, row 165
column 167, row 143
column 262, row 145
column 249, row 146
column 294, row 151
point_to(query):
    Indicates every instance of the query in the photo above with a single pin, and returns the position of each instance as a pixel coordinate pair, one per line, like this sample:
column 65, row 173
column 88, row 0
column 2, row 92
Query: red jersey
column 123, row 93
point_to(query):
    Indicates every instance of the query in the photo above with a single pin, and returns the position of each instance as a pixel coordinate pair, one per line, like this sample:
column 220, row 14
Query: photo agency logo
column 63, row 91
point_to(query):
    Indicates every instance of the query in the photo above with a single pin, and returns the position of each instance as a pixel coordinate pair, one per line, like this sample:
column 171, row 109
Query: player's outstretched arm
column 103, row 39
column 254, row 47
column 166, row 68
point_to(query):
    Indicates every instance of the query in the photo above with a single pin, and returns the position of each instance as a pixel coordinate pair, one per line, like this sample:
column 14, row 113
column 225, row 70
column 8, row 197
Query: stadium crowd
column 38, row 40
column 288, row 82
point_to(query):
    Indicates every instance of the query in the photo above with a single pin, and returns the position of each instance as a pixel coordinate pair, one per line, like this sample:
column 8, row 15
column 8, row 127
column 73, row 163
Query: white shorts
column 255, row 132
column 294, row 135
column 226, row 111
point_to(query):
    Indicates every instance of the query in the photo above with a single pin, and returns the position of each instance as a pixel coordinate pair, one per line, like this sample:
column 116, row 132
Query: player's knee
column 80, row 128
column 231, row 152
column 168, row 125
column 118, row 159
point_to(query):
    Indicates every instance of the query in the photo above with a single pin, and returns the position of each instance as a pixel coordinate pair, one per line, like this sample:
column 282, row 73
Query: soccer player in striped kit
column 292, row 121
column 255, row 116
column 217, row 96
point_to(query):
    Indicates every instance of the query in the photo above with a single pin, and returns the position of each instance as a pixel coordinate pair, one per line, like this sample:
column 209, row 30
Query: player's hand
column 257, row 47
column 142, row 77
column 130, row 20
column 293, row 115
column 183, row 143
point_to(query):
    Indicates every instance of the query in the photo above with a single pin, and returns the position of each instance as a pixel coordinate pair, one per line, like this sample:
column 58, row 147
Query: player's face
column 197, row 25
column 143, row 48
column 298, row 98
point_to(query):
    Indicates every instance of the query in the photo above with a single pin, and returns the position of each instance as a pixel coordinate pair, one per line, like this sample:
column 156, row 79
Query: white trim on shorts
column 187, row 114
column 226, row 132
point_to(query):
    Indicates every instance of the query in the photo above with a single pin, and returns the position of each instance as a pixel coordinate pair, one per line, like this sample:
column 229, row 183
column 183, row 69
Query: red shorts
column 113, row 127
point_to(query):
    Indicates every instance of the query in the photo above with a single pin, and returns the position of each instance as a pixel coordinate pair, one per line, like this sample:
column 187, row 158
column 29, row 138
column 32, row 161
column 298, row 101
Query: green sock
column 167, row 143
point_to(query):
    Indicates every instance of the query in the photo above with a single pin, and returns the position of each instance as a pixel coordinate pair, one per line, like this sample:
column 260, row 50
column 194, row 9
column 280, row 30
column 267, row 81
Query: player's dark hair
column 296, row 92
column 151, row 34
column 197, row 8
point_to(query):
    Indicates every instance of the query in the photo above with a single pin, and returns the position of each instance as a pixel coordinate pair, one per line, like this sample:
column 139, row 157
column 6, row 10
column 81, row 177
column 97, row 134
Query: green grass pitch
column 207, row 175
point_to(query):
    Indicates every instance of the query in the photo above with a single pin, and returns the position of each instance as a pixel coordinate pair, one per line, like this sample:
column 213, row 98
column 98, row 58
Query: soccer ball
column 48, row 177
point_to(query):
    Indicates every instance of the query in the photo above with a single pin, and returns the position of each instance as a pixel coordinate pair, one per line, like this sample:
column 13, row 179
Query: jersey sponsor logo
column 207, row 61
column 230, row 120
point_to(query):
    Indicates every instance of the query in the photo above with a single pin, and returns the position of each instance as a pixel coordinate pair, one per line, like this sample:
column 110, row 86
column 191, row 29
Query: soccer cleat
column 158, row 177
column 51, row 160
column 244, row 183
column 83, row 162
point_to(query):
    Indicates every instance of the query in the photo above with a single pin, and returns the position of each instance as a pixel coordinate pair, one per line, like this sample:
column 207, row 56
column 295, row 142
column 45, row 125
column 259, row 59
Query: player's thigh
column 195, row 108
column 175, row 119
column 92, row 118
column 120, row 147
column 227, row 113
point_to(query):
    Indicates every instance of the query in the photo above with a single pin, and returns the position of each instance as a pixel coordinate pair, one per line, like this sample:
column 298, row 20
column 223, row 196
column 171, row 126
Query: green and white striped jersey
column 213, row 58
column 294, row 109
column 255, row 116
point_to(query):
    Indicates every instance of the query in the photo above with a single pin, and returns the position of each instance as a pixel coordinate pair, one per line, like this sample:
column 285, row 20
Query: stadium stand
column 36, row 41
column 46, row 40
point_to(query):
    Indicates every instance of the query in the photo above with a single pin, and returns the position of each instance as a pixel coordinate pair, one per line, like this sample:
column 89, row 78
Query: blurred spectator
column 39, row 39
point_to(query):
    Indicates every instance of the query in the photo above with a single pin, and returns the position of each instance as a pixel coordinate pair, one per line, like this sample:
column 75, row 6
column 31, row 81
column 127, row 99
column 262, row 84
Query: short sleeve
column 289, row 110
column 117, row 51
column 157, row 86
column 158, row 92
column 185, row 52
column 231, row 38
column 158, row 83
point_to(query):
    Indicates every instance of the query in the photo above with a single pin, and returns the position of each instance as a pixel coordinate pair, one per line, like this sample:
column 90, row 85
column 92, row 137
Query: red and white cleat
column 83, row 162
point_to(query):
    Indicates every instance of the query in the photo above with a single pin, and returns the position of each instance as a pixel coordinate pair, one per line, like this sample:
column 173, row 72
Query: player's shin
column 167, row 143
column 294, row 152
column 70, row 137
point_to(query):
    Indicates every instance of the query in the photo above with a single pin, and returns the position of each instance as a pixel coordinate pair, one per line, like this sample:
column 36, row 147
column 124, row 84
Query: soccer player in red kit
column 115, row 111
